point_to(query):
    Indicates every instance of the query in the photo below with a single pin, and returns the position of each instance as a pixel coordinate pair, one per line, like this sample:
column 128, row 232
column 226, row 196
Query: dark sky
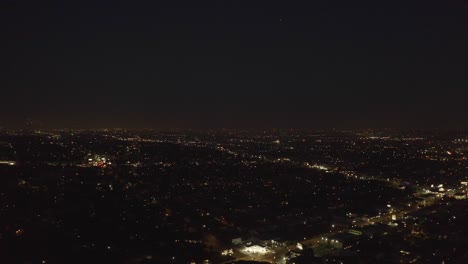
column 245, row 64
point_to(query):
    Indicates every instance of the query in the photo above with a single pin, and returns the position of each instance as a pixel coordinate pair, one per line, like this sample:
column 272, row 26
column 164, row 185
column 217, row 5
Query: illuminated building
column 7, row 154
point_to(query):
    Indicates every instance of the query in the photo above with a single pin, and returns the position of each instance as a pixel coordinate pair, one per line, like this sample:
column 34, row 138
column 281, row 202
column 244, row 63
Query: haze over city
column 235, row 64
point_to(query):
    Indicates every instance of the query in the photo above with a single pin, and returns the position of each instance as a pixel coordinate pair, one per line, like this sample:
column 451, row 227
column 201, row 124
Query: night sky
column 235, row 64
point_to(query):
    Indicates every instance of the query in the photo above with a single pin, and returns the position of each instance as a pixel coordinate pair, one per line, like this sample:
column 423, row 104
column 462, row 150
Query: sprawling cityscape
column 233, row 132
column 233, row 196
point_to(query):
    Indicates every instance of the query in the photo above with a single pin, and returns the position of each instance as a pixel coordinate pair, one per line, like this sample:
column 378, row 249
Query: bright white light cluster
column 255, row 249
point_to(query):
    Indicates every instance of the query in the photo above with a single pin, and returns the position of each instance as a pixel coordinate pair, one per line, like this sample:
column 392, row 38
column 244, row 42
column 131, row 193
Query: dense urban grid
column 231, row 196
